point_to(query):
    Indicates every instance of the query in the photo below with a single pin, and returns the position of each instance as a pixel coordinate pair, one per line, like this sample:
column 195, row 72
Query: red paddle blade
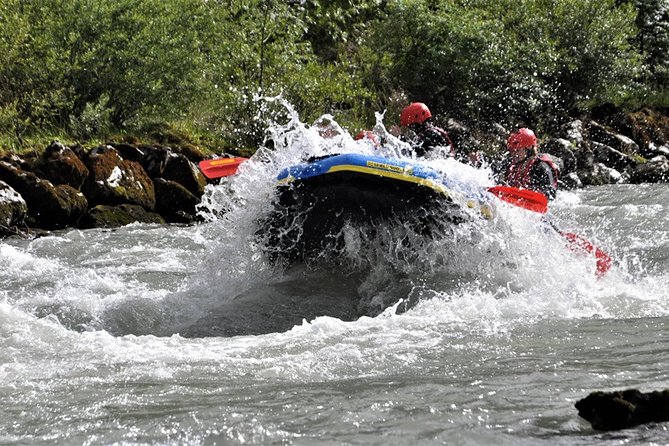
column 220, row 167
column 524, row 198
column 604, row 261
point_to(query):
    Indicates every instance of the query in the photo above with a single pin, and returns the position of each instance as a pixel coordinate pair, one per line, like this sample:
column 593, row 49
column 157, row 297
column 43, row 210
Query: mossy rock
column 103, row 216
column 114, row 181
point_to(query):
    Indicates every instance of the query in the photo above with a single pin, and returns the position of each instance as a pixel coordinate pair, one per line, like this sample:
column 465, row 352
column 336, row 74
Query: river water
column 189, row 335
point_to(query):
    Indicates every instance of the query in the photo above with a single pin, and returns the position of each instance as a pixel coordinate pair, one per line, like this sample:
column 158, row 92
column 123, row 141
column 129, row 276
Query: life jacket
column 518, row 175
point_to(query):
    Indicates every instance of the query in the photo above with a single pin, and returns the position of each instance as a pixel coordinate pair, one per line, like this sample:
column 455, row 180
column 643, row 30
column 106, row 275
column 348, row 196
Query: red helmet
column 521, row 139
column 367, row 134
column 414, row 113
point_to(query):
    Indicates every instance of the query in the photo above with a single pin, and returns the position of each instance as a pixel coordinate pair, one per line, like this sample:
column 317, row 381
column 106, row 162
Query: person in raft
column 427, row 136
column 417, row 117
column 525, row 167
column 367, row 135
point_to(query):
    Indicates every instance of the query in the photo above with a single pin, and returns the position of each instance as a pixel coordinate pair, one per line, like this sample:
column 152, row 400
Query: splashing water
column 516, row 265
column 486, row 332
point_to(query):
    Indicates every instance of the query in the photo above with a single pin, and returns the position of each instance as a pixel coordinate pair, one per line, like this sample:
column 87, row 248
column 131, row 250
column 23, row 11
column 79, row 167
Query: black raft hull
column 311, row 208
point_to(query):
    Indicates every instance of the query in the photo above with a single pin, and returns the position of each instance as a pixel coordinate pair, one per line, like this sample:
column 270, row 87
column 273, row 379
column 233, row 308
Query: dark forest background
column 85, row 70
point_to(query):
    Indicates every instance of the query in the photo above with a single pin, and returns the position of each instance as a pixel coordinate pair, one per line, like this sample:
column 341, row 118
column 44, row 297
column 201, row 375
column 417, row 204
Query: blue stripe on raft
column 401, row 170
column 378, row 163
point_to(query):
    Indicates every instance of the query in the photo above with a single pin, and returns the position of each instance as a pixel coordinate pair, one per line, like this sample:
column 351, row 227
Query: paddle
column 524, row 198
column 220, row 167
column 537, row 202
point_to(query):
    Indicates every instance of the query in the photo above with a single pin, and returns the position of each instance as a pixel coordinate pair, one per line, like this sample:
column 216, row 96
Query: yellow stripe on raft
column 401, row 174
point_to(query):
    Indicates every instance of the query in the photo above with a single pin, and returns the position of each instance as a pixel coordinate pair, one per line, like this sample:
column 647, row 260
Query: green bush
column 91, row 68
column 508, row 59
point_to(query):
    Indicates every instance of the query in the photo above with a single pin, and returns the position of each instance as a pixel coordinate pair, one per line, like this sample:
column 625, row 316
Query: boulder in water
column 624, row 409
column 655, row 170
column 61, row 165
column 103, row 216
column 174, row 202
column 49, row 206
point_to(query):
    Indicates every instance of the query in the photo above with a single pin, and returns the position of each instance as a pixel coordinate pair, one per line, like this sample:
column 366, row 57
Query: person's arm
column 542, row 180
column 499, row 169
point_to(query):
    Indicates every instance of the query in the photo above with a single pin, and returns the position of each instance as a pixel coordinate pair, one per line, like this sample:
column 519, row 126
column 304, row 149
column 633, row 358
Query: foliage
column 652, row 42
column 90, row 69
column 524, row 59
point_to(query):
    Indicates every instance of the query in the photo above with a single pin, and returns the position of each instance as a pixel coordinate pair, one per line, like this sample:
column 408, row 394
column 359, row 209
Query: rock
column 113, row 180
column 128, row 151
column 603, row 135
column 585, row 159
column 563, row 149
column 655, row 150
column 611, row 157
column 649, row 128
column 655, row 170
column 73, row 202
column 174, row 202
column 573, row 132
column 155, row 160
column 624, row 409
column 60, row 165
column 191, row 152
column 79, row 151
column 179, row 169
column 17, row 161
column 599, row 175
column 13, row 209
column 49, row 206
column 570, row 181
column 103, row 216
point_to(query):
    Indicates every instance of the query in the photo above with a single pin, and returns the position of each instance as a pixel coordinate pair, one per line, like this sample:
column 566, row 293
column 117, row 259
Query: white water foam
column 154, row 280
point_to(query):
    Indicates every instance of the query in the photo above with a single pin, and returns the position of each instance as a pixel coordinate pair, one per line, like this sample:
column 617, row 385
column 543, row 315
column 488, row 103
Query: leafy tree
column 265, row 50
column 653, row 40
column 139, row 57
column 85, row 66
column 32, row 80
column 523, row 58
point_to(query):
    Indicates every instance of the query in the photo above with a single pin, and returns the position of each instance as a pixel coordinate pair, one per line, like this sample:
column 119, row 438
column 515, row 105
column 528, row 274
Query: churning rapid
column 485, row 332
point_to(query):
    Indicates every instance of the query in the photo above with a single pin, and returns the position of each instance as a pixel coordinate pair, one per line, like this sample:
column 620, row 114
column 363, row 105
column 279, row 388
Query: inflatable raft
column 316, row 199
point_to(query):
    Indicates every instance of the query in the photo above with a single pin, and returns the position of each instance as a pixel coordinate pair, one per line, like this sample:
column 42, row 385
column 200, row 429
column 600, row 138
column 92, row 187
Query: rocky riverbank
column 616, row 147
column 118, row 183
column 105, row 186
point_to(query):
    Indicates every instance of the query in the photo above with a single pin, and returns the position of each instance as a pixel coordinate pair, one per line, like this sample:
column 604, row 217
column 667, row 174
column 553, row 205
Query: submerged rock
column 103, row 216
column 276, row 307
column 624, row 409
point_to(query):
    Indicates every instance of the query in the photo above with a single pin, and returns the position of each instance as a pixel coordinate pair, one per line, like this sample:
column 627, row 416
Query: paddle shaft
column 537, row 202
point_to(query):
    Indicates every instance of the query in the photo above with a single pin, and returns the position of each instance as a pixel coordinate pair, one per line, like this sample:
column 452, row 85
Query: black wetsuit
column 428, row 137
